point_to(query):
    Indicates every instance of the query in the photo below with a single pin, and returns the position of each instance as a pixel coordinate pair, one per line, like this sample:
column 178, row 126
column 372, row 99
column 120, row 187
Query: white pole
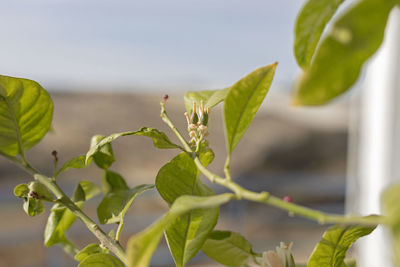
column 378, row 145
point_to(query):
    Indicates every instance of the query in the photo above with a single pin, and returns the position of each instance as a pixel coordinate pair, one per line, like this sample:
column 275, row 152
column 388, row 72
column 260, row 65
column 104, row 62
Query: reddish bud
column 287, row 199
column 54, row 154
column 165, row 97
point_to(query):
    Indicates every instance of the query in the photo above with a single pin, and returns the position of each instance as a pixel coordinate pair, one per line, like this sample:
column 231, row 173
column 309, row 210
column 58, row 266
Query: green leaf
column 114, row 205
column 335, row 242
column 310, row 24
column 336, row 65
column 228, row 248
column 59, row 221
column 391, row 207
column 142, row 245
column 21, row 191
column 87, row 251
column 206, row 155
column 61, row 218
column 350, row 263
column 112, row 181
column 160, row 140
column 85, row 191
column 101, row 260
column 104, row 155
column 186, row 234
column 33, row 207
column 242, row 103
column 26, row 111
column 210, row 98
column 40, row 191
column 76, row 163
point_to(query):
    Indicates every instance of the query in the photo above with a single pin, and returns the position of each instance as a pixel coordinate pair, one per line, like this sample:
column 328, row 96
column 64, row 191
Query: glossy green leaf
column 21, row 191
column 101, row 260
column 391, row 207
column 103, row 155
column 40, row 191
column 206, row 155
column 61, row 218
column 114, row 205
column 76, row 163
column 59, row 221
column 210, row 98
column 112, row 181
column 228, row 248
column 242, row 103
column 85, row 191
column 142, row 245
column 33, row 207
column 337, row 63
column 26, row 111
column 187, row 233
column 160, row 140
column 87, row 251
column 310, row 24
column 335, row 242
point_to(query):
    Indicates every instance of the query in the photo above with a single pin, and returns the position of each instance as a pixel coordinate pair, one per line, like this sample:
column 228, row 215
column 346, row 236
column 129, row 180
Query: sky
column 150, row 44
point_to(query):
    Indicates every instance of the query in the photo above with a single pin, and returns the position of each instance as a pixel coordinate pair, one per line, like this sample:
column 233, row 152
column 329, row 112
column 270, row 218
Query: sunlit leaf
column 21, row 191
column 59, row 221
column 206, row 155
column 160, row 140
column 335, row 242
column 310, row 24
column 26, row 111
column 337, row 63
column 33, row 207
column 87, row 251
column 40, row 191
column 85, row 191
column 210, row 98
column 112, row 181
column 103, row 155
column 242, row 103
column 61, row 218
column 76, row 163
column 114, row 205
column 228, row 248
column 101, row 260
column 187, row 233
column 142, row 245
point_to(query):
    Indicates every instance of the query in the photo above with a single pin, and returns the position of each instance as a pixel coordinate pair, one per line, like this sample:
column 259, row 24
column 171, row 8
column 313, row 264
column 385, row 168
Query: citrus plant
column 331, row 64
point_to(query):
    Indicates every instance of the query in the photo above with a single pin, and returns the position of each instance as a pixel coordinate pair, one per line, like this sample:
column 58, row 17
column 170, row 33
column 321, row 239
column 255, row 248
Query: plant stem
column 226, row 167
column 267, row 198
column 62, row 198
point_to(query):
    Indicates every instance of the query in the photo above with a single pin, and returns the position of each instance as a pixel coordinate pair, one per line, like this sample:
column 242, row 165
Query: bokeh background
column 107, row 64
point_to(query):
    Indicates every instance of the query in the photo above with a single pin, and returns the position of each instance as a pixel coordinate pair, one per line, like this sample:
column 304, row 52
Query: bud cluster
column 197, row 122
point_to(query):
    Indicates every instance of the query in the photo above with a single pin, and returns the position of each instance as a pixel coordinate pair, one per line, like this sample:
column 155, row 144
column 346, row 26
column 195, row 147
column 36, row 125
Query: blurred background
column 107, row 64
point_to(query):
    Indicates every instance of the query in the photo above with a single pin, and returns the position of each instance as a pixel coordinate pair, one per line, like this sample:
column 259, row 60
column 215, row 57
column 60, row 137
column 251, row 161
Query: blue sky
column 151, row 43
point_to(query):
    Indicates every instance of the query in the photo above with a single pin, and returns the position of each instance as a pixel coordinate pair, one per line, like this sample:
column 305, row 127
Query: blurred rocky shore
column 286, row 151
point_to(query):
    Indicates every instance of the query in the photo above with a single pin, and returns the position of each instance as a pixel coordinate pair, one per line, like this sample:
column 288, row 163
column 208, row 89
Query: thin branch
column 266, row 197
column 62, row 198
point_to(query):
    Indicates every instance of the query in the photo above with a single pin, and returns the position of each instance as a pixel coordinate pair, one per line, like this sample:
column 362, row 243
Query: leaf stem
column 119, row 229
column 62, row 198
column 69, row 247
column 166, row 119
column 266, row 197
